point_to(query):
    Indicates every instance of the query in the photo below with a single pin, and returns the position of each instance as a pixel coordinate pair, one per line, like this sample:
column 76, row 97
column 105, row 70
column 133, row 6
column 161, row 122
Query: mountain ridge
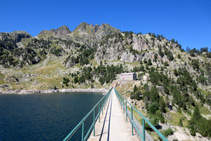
column 93, row 56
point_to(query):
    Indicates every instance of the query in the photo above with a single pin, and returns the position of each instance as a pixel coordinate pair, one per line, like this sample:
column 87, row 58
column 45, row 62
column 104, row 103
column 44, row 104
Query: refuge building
column 128, row 76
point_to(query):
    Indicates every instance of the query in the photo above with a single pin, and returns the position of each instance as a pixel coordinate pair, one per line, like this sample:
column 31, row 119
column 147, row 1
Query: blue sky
column 187, row 21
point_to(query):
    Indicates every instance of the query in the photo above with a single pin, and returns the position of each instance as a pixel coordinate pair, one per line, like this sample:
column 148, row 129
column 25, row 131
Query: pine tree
column 160, row 52
column 149, row 62
column 196, row 113
column 180, row 122
column 162, row 105
column 156, row 57
column 179, row 56
column 193, row 122
column 66, row 81
column 135, row 89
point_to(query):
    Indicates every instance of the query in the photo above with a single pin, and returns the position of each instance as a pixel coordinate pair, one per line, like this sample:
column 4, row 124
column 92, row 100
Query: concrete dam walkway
column 113, row 125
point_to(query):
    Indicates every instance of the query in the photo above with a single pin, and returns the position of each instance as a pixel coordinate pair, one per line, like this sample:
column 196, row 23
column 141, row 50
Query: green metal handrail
column 124, row 103
column 100, row 105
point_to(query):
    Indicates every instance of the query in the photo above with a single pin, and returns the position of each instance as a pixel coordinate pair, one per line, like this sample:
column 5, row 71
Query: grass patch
column 204, row 110
column 78, row 66
column 175, row 117
column 117, row 61
column 48, row 70
column 154, row 135
column 26, row 41
column 133, row 63
column 128, row 63
column 2, row 78
column 124, row 89
column 46, row 82
column 47, row 75
column 93, row 62
column 203, row 91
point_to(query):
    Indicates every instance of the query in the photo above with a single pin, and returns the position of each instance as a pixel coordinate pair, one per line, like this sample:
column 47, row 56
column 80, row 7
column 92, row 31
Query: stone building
column 128, row 76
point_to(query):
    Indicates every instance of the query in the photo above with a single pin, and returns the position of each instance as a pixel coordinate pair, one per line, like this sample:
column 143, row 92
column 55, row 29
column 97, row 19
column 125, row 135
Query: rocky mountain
column 94, row 31
column 16, row 36
column 59, row 32
column 9, row 40
column 172, row 82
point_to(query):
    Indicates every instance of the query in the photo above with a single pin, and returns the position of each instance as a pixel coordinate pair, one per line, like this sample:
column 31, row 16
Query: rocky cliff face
column 13, row 53
column 9, row 40
column 59, row 32
column 16, row 36
column 95, row 31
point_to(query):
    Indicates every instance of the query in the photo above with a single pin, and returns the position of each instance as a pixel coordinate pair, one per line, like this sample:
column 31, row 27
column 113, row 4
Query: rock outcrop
column 16, row 36
column 8, row 40
column 96, row 31
column 59, row 32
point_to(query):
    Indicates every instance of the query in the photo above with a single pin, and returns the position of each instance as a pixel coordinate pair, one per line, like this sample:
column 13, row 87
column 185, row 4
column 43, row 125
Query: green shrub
column 66, row 81
column 179, row 56
column 167, row 132
column 153, row 108
column 154, row 121
column 136, row 93
column 160, row 116
column 56, row 51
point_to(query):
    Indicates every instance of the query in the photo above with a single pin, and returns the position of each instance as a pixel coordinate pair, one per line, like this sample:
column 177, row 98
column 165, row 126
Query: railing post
column 132, row 119
column 99, row 111
column 126, row 110
column 120, row 102
column 94, row 122
column 82, row 135
column 123, row 105
column 143, row 122
column 102, row 106
column 104, row 100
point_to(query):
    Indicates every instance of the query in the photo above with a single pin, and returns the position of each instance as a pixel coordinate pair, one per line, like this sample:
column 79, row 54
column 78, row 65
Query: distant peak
column 82, row 27
column 95, row 30
column 62, row 31
column 103, row 25
column 20, row 32
column 83, row 23
column 63, row 27
column 97, row 25
column 45, row 32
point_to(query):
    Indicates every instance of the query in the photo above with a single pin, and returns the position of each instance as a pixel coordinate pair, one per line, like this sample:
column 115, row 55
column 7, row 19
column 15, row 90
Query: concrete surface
column 113, row 125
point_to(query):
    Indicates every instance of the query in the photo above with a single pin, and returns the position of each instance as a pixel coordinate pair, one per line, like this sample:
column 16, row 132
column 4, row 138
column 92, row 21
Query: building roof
column 128, row 73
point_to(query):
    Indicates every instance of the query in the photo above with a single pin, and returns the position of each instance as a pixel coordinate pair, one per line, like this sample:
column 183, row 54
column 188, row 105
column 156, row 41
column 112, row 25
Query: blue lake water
column 43, row 116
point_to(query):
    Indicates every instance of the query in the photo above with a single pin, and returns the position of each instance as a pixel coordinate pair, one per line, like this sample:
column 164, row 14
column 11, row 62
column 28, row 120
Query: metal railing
column 124, row 103
column 96, row 114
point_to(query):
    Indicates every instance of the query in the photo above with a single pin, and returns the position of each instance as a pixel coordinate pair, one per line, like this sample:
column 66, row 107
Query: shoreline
column 104, row 91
